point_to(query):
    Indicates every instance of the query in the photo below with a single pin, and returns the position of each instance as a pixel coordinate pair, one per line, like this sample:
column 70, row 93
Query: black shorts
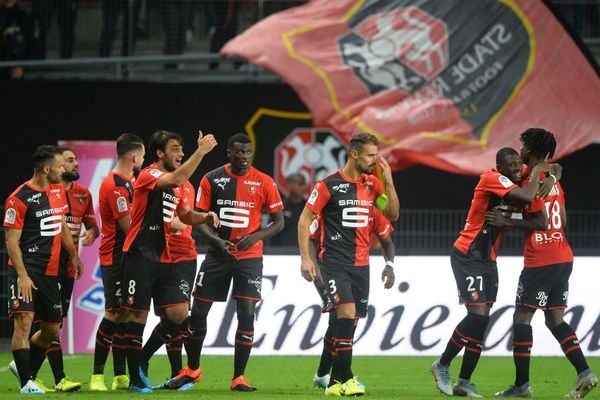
column 347, row 284
column 176, row 287
column 215, row 275
column 66, row 291
column 477, row 280
column 544, row 288
column 111, row 280
column 139, row 277
column 46, row 303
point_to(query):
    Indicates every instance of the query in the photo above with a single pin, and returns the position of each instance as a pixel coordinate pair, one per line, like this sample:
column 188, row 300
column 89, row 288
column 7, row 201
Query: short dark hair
column 295, row 175
column 238, row 138
column 62, row 149
column 360, row 139
column 44, row 155
column 127, row 142
column 159, row 141
column 503, row 153
column 539, row 142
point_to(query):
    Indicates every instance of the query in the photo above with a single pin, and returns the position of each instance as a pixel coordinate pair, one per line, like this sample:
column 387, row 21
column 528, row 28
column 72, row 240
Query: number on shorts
column 471, row 281
column 131, row 288
column 332, row 286
column 118, row 292
column 199, row 278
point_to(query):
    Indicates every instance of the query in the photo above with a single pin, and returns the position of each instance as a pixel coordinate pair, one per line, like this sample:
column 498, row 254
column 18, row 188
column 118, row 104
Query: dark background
column 42, row 112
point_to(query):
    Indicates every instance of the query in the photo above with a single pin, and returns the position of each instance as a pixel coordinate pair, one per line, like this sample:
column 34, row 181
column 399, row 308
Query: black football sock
column 55, row 359
column 134, row 336
column 37, row 355
column 458, row 340
column 522, row 343
column 154, row 342
column 23, row 363
column 341, row 369
column 328, row 347
column 104, row 340
column 119, row 349
column 569, row 342
column 194, row 339
column 474, row 346
column 244, row 338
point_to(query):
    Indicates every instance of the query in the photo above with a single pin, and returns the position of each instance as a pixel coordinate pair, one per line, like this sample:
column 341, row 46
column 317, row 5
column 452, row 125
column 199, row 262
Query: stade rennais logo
column 442, row 50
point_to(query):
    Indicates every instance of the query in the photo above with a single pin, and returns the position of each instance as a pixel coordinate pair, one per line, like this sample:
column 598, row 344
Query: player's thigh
column 48, row 303
column 66, row 291
column 111, row 281
column 338, row 284
column 16, row 305
column 360, row 289
column 247, row 279
column 213, row 280
column 139, row 276
column 173, row 288
column 477, row 281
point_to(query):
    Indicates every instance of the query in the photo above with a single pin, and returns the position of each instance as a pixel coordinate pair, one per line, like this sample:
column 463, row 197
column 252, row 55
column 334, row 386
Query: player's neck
column 39, row 181
column 533, row 162
column 66, row 184
column 125, row 169
column 351, row 172
column 238, row 171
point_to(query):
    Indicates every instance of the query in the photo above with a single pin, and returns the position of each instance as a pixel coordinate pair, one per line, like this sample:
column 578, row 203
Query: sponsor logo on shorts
column 474, row 295
column 184, row 286
column 520, row 290
column 542, row 298
column 336, row 298
column 257, row 283
column 15, row 303
column 130, row 300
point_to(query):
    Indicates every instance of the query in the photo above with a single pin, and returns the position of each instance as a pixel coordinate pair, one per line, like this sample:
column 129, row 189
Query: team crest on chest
column 251, row 190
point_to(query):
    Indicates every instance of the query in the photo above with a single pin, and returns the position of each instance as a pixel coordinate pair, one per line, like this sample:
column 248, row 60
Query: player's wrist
column 389, row 264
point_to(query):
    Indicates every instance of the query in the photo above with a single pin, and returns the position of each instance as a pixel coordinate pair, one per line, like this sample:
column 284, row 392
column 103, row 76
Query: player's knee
column 522, row 317
column 22, row 327
column 245, row 308
column 552, row 321
column 177, row 314
column 346, row 311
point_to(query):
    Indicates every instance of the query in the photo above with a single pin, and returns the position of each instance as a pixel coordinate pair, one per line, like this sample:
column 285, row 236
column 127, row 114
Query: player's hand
column 88, row 237
column 545, row 187
column 212, row 219
column 495, row 218
column 206, row 143
column 225, row 246
column 78, row 266
column 245, row 243
column 308, row 270
column 541, row 167
column 385, row 167
column 387, row 277
column 25, row 288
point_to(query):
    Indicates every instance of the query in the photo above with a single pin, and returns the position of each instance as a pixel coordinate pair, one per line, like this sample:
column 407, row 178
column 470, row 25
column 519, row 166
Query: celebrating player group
column 148, row 256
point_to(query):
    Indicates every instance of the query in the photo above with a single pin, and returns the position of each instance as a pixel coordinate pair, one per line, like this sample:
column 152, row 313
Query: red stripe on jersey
column 548, row 247
column 114, row 202
column 181, row 244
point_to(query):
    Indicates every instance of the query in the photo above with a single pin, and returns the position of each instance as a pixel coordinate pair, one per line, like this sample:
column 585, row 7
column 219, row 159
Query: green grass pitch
column 290, row 377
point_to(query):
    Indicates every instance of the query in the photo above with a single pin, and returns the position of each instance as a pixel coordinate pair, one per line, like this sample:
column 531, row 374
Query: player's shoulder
column 21, row 192
column 261, row 177
column 79, row 188
column 216, row 173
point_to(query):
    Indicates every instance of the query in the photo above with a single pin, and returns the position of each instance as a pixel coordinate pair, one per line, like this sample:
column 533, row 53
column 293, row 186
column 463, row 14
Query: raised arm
column 182, row 174
column 392, row 209
column 526, row 194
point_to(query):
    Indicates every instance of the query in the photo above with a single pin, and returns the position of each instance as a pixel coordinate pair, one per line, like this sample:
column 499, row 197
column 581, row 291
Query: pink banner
column 96, row 159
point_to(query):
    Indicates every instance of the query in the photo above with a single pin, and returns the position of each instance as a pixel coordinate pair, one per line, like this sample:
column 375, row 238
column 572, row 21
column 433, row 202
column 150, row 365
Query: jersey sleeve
column 313, row 229
column 381, row 226
column 89, row 217
column 498, row 184
column 118, row 203
column 187, row 196
column 204, row 198
column 318, row 198
column 148, row 179
column 377, row 187
column 273, row 198
column 14, row 216
column 536, row 205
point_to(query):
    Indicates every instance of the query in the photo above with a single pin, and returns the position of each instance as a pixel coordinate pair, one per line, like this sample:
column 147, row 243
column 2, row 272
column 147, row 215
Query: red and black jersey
column 479, row 239
column 38, row 213
column 182, row 244
column 345, row 206
column 153, row 211
column 81, row 211
column 379, row 226
column 238, row 201
column 114, row 202
column 548, row 247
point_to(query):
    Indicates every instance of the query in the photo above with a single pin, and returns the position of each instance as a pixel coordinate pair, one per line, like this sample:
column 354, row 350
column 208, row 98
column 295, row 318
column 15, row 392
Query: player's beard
column 137, row 170
column 70, row 176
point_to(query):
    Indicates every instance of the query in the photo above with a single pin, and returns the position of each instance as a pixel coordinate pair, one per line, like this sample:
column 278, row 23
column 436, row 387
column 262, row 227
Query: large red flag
column 442, row 83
